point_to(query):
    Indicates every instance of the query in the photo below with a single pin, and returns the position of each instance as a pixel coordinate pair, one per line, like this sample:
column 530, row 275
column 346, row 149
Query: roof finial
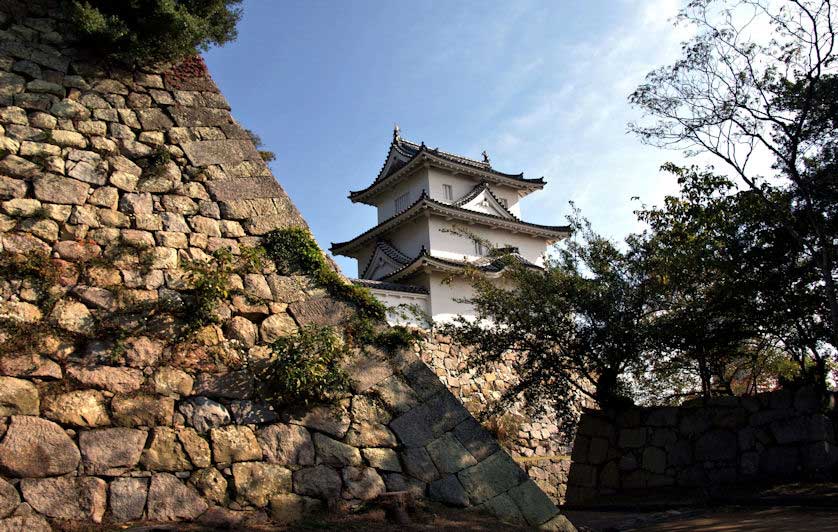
column 396, row 132
column 485, row 157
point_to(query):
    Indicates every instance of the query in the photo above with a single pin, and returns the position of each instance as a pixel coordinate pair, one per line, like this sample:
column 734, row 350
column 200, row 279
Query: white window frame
column 479, row 250
column 402, row 202
column 448, row 192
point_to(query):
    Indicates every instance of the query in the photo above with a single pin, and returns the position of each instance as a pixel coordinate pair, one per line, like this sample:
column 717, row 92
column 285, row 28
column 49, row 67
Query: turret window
column 402, row 202
column 479, row 250
column 447, row 193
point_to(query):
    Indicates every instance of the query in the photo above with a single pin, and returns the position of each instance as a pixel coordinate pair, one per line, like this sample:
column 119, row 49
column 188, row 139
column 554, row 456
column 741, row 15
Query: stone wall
column 113, row 409
column 532, row 438
column 772, row 436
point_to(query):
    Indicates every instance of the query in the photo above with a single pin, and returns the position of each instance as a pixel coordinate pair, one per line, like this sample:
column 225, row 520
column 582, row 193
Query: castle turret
column 427, row 200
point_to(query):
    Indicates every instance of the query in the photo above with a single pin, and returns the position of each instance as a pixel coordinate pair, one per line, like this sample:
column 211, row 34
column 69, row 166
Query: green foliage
column 266, row 155
column 734, row 94
column 293, row 251
column 306, row 367
column 210, row 281
column 571, row 331
column 34, row 269
column 143, row 31
column 160, row 157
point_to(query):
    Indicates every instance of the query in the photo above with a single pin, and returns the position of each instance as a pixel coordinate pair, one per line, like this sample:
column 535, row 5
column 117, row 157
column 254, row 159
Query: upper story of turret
column 413, row 170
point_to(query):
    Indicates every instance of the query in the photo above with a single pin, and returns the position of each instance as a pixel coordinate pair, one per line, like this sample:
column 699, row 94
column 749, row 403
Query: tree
column 574, row 329
column 737, row 294
column 734, row 96
column 144, row 31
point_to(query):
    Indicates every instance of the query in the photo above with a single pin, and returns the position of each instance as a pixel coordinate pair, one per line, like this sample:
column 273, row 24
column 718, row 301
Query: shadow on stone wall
column 730, row 440
column 136, row 421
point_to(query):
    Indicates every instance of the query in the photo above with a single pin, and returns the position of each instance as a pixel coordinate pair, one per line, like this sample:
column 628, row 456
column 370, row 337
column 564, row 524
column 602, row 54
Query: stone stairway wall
column 110, row 413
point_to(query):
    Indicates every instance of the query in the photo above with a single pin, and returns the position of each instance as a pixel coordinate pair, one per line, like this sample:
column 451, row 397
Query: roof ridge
column 424, row 197
column 491, row 267
column 443, row 152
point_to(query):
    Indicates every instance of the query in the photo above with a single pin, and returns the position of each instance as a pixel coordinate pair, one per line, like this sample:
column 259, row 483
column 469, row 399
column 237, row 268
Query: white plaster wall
column 408, row 237
column 455, row 247
column 413, row 186
column 462, row 185
column 443, row 292
column 397, row 303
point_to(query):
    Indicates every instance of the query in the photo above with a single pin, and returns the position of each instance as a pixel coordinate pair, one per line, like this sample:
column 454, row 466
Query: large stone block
column 30, row 523
column 76, row 498
column 256, row 482
column 413, row 428
column 449, row 455
column 142, row 410
column 114, row 379
column 18, row 397
column 234, row 443
column 367, row 434
column 331, row 419
column 211, row 483
column 35, row 447
column 204, row 414
column 362, row 483
column 286, row 444
column 716, row 445
column 9, row 498
column 61, row 190
column 535, row 506
column 448, row 490
column 319, row 311
column 224, row 152
column 479, row 441
column 111, row 451
column 230, row 385
column 171, row 500
column 288, row 508
column 320, row 481
column 504, row 508
column 492, row 476
column 82, row 408
column 128, row 498
column 418, row 464
column 165, row 452
column 244, row 188
column 202, row 117
column 398, row 395
column 445, row 412
column 333, row 452
column 382, row 459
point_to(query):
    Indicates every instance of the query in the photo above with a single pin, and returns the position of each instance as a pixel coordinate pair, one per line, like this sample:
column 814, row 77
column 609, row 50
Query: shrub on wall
column 305, row 367
column 141, row 31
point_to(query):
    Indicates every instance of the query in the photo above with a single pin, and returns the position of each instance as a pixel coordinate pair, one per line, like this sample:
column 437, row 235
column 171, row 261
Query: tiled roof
column 426, row 203
column 396, row 287
column 410, row 150
column 489, row 264
column 388, row 249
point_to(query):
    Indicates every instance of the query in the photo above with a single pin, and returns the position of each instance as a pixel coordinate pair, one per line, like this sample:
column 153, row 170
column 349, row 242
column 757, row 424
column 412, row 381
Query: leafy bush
column 210, row 281
column 294, row 250
column 140, row 31
column 305, row 367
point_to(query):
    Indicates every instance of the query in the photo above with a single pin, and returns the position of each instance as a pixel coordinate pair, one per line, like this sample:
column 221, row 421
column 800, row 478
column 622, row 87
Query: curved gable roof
column 425, row 203
column 403, row 152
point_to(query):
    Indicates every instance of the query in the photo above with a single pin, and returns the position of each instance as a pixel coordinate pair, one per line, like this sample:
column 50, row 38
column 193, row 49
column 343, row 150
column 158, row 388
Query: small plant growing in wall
column 294, row 250
column 305, row 368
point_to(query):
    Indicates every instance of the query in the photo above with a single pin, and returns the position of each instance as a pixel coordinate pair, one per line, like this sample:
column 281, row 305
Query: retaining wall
column 113, row 411
column 732, row 440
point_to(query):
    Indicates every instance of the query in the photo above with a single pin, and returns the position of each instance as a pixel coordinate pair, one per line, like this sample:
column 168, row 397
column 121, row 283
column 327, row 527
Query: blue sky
column 540, row 85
